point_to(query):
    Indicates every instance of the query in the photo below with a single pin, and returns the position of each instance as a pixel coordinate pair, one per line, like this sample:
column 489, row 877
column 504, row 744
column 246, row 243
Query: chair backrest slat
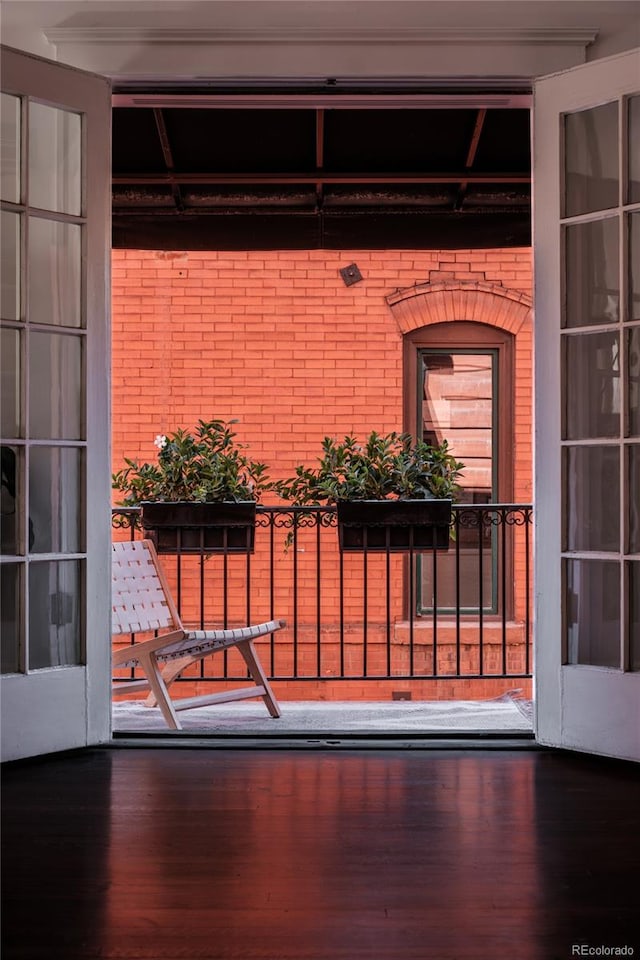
column 139, row 600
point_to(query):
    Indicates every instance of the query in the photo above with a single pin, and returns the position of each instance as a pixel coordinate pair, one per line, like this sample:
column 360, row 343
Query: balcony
column 449, row 625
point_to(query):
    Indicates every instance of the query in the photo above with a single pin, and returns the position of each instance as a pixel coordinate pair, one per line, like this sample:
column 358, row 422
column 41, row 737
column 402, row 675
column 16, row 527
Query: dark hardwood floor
column 160, row 854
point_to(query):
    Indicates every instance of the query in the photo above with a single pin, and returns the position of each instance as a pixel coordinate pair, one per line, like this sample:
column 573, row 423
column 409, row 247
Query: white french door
column 55, row 495
column 587, row 419
column 55, row 558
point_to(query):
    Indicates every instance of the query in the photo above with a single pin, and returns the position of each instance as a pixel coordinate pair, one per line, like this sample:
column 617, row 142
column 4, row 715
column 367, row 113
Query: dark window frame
column 462, row 335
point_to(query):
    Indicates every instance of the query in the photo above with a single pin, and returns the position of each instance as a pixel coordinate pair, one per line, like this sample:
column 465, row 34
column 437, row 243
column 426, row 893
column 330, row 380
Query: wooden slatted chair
column 142, row 602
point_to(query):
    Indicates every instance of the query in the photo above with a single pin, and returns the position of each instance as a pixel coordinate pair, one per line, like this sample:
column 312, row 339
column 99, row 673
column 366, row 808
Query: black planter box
column 394, row 525
column 193, row 528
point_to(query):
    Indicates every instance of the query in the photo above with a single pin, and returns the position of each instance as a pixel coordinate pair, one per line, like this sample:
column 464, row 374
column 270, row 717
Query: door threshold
column 478, row 740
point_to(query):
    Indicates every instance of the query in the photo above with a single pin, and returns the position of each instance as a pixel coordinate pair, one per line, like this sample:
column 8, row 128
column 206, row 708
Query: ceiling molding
column 305, row 85
column 340, row 101
column 550, row 36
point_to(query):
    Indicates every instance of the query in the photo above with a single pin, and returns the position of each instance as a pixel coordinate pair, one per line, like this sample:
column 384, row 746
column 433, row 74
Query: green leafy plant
column 384, row 467
column 204, row 466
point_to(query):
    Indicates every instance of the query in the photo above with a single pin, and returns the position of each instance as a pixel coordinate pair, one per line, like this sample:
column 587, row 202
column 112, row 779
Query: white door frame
column 52, row 710
column 63, row 707
column 589, row 708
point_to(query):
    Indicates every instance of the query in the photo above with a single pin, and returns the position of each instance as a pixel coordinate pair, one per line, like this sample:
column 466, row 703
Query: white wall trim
column 579, row 37
column 124, row 51
column 392, row 101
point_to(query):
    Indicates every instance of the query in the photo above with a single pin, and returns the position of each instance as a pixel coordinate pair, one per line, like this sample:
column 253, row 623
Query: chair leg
column 170, row 672
column 149, row 665
column 258, row 676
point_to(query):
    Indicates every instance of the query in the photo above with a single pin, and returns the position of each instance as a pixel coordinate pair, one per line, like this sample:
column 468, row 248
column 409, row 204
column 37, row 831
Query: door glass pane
column 10, row 500
column 54, row 614
column 634, row 149
column 592, row 386
column 592, row 497
column 634, row 266
column 10, row 272
column 634, row 615
column 54, row 159
column 591, row 160
column 456, row 403
column 10, row 617
column 592, row 605
column 592, row 284
column 10, row 383
column 634, row 498
column 55, row 387
column 10, row 148
column 458, row 407
column 54, row 273
column 54, row 499
column 633, row 384
column 473, row 554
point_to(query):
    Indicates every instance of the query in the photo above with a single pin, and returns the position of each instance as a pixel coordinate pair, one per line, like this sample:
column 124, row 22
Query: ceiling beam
column 275, row 232
column 168, row 155
column 313, row 177
column 471, row 155
column 319, row 154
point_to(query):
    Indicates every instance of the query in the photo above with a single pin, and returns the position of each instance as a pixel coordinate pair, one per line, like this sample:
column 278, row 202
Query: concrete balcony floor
column 507, row 714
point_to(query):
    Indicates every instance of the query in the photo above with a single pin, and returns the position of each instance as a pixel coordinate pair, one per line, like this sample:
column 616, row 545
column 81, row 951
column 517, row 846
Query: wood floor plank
column 292, row 855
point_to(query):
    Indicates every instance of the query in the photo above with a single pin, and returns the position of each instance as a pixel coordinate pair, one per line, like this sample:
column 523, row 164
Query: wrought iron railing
column 462, row 613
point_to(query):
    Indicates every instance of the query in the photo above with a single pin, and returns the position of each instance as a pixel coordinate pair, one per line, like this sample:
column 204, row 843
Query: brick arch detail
column 450, row 300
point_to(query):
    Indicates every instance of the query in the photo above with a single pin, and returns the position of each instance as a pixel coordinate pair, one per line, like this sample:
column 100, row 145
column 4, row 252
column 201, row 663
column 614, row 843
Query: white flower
column 160, row 441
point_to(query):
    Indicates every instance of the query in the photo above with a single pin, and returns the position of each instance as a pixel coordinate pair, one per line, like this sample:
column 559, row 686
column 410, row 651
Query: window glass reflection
column 10, row 419
column 10, row 265
column 591, row 159
column 634, row 266
column 592, row 386
column 458, row 405
column 592, row 604
column 592, row 498
column 54, row 614
column 55, row 387
column 54, row 273
column 633, row 381
column 592, row 283
column 634, row 498
column 634, row 149
column 458, row 402
column 10, row 139
column 54, row 499
column 634, row 615
column 10, row 500
column 10, row 617
column 55, row 159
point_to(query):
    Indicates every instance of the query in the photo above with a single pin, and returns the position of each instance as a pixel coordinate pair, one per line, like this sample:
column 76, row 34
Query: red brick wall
column 276, row 340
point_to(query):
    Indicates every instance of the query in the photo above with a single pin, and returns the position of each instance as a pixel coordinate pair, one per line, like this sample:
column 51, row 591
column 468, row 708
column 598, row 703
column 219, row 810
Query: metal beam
column 168, row 155
column 319, row 154
column 471, row 155
column 275, row 232
column 317, row 176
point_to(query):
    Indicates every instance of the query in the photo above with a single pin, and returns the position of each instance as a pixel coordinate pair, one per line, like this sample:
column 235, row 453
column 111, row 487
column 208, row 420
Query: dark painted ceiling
column 270, row 171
